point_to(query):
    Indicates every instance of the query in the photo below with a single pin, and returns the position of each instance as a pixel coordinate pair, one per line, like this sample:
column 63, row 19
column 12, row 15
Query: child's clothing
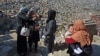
column 68, row 39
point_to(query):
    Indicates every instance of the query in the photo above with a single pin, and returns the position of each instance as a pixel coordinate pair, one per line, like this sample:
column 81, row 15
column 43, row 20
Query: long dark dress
column 34, row 36
column 50, row 30
column 21, row 40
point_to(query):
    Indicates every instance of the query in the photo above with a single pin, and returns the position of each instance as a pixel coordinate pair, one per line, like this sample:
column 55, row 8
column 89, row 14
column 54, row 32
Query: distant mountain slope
column 67, row 10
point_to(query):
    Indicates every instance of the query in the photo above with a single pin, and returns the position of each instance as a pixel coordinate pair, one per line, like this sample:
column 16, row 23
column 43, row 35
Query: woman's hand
column 37, row 27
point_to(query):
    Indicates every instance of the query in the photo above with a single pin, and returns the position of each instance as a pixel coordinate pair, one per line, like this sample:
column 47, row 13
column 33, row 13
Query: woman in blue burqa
column 21, row 40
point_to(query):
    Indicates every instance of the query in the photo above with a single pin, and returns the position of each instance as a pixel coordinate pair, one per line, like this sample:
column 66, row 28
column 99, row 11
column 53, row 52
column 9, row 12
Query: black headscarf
column 51, row 15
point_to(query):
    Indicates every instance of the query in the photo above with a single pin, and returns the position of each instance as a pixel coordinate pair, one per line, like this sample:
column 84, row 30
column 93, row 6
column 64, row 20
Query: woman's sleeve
column 22, row 17
column 75, row 36
column 50, row 27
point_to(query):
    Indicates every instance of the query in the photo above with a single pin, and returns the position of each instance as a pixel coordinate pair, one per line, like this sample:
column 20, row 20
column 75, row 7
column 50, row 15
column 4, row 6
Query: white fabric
column 25, row 31
column 78, row 51
column 43, row 36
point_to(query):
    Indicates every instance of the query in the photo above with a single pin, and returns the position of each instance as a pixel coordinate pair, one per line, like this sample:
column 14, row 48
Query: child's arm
column 67, row 35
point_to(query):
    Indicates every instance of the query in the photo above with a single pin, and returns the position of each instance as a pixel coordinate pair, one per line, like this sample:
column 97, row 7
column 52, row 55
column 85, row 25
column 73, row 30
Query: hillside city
column 67, row 12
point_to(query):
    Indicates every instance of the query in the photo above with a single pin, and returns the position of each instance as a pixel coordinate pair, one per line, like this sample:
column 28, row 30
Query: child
column 68, row 34
column 70, row 42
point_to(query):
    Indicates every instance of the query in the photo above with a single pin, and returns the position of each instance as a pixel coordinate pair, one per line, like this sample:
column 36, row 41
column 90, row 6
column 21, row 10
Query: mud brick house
column 96, row 19
column 91, row 27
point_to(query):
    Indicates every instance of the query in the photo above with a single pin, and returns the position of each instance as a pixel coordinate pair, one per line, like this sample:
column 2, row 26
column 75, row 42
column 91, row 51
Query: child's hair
column 70, row 25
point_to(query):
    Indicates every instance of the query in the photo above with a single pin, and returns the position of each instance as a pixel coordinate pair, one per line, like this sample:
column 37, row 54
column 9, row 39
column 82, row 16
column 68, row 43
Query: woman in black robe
column 34, row 30
column 50, row 30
